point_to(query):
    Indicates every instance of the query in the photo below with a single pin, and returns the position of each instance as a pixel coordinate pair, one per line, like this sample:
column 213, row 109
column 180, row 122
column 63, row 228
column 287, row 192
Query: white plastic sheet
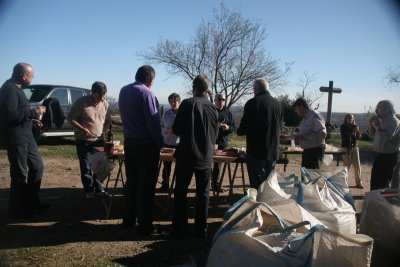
column 101, row 166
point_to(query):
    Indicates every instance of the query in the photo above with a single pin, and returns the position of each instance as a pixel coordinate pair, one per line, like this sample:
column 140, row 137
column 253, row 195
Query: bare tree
column 393, row 76
column 311, row 97
column 229, row 49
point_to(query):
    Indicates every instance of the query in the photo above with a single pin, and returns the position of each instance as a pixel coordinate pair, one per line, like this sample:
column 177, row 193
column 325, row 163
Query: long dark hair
column 349, row 115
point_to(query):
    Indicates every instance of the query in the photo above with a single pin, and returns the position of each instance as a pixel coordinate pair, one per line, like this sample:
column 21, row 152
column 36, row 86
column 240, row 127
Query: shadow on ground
column 73, row 219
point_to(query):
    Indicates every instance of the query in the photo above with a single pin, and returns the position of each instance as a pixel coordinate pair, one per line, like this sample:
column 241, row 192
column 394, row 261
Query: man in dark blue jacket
column 196, row 124
column 226, row 127
column 261, row 123
column 26, row 166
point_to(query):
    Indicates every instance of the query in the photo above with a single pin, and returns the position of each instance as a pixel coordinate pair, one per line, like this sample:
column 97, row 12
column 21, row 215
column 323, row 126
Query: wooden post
column 330, row 90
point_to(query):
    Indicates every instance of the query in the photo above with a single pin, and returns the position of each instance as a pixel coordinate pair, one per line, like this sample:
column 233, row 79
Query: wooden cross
column 330, row 90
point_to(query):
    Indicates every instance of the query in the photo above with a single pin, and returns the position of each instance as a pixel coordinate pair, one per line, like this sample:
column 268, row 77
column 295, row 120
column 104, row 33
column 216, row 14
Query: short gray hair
column 261, row 84
column 21, row 69
column 387, row 105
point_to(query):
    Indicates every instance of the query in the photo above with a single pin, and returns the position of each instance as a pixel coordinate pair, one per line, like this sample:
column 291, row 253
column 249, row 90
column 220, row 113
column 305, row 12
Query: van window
column 61, row 95
column 37, row 93
column 75, row 94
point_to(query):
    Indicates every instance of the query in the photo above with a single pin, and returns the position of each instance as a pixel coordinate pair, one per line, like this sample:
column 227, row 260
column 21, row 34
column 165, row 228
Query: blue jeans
column 259, row 170
column 84, row 149
column 26, row 170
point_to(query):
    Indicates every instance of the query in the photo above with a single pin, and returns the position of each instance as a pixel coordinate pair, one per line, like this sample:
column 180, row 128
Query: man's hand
column 374, row 121
column 224, row 127
column 87, row 133
column 37, row 123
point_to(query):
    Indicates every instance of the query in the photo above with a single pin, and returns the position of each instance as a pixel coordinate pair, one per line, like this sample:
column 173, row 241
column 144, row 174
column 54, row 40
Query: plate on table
column 167, row 150
column 232, row 152
column 219, row 152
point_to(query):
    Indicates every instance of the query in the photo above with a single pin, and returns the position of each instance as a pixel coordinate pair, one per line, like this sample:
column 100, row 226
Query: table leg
column 231, row 181
column 108, row 205
column 285, row 164
column 222, row 179
column 243, row 181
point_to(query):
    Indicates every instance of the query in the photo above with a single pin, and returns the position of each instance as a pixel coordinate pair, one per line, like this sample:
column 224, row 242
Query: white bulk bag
column 318, row 197
column 254, row 234
column 380, row 219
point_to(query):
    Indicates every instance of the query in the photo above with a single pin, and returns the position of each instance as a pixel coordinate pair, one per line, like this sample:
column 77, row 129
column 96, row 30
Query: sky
column 77, row 42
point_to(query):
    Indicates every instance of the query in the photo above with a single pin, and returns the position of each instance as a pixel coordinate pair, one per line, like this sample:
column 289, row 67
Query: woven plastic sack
column 318, row 197
column 254, row 234
column 100, row 165
column 380, row 219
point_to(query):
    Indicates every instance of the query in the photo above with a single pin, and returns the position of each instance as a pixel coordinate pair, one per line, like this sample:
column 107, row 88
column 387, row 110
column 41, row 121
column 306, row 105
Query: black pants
column 382, row 170
column 184, row 173
column 216, row 179
column 166, row 172
column 312, row 157
column 141, row 165
column 26, row 171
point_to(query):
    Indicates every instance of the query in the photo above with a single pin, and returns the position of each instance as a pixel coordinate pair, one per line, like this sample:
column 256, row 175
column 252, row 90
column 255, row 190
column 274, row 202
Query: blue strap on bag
column 243, row 200
column 331, row 184
column 293, row 179
column 236, row 206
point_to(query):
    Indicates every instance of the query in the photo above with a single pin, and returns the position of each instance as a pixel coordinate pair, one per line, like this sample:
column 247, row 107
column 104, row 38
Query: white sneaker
column 89, row 195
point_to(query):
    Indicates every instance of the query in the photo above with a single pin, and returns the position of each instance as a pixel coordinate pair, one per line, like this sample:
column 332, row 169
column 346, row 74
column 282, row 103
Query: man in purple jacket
column 143, row 140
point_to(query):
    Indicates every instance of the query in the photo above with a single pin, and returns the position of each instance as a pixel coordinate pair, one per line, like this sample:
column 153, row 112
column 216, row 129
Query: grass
column 362, row 144
column 65, row 146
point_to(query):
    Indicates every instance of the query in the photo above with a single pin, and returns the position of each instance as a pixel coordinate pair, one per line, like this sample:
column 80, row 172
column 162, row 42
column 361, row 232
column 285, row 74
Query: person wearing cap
column 261, row 124
column 226, row 127
column 91, row 119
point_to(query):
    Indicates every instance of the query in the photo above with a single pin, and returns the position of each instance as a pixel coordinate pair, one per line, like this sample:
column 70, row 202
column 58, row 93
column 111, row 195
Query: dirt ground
column 75, row 232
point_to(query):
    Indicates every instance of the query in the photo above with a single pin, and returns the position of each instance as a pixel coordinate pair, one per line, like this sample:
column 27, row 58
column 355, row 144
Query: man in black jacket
column 196, row 124
column 226, row 127
column 261, row 123
column 26, row 166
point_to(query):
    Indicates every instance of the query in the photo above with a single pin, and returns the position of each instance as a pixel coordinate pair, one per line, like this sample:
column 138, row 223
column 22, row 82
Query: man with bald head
column 261, row 124
column 26, row 166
